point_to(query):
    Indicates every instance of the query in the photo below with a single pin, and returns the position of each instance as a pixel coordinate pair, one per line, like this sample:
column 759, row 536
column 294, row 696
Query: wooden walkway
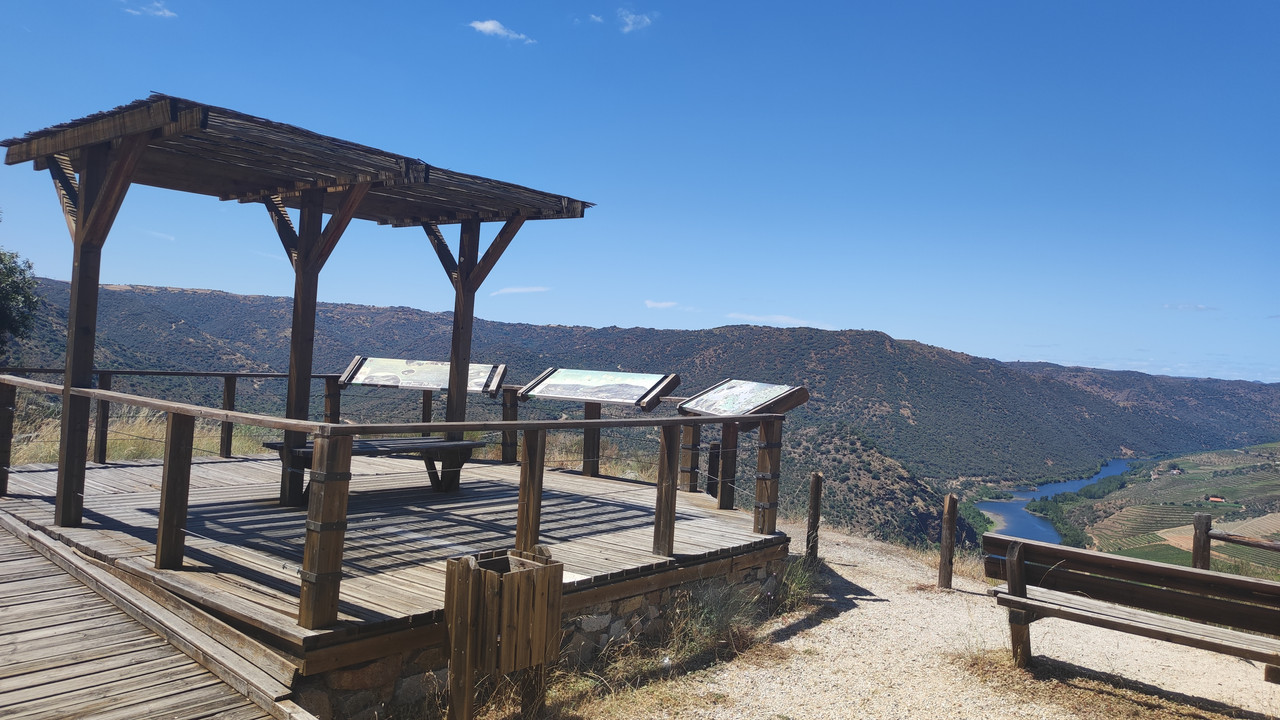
column 66, row 652
column 244, row 550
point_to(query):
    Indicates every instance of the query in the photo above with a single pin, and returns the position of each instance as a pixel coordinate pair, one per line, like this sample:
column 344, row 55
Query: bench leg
column 1272, row 674
column 1020, row 635
column 431, row 472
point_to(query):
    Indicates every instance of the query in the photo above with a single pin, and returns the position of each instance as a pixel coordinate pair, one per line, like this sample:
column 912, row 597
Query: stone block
column 594, row 623
column 375, row 674
column 630, row 605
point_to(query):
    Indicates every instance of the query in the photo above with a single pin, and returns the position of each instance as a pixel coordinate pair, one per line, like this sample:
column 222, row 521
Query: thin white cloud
column 783, row 320
column 152, row 9
column 1190, row 307
column 160, row 235
column 659, row 304
column 514, row 290
column 596, row 18
column 497, row 29
column 634, row 21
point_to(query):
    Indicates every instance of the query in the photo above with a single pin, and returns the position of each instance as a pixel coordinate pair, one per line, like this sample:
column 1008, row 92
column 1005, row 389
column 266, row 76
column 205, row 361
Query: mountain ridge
column 891, row 423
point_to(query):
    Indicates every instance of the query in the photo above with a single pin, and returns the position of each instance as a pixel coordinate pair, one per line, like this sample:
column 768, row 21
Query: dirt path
column 890, row 646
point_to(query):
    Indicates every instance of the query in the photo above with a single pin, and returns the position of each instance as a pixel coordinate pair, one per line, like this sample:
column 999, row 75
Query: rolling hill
column 891, row 423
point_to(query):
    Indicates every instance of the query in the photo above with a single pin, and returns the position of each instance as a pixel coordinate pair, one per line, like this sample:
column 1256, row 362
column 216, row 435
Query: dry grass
column 1090, row 694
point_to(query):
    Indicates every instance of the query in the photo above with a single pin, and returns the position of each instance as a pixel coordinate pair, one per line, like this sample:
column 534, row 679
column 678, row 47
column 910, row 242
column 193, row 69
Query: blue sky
column 1086, row 183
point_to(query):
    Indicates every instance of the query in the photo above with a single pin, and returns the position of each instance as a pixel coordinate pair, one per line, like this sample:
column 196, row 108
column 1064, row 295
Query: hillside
column 889, row 423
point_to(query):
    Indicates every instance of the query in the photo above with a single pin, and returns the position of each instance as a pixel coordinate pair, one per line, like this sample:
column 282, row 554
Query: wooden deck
column 65, row 652
column 244, row 550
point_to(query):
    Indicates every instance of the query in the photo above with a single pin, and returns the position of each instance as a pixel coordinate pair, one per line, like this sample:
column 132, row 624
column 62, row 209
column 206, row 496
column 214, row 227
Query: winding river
column 1012, row 518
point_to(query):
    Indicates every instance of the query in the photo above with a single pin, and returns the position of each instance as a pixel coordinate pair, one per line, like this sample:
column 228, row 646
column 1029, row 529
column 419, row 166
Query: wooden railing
column 1204, row 532
column 330, row 476
column 102, row 417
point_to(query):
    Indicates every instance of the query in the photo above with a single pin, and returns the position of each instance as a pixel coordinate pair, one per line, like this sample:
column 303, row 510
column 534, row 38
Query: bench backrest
column 1201, row 595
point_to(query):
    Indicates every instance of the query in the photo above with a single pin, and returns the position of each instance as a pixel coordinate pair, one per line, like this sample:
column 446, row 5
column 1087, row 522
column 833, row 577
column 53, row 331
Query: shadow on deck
column 244, row 550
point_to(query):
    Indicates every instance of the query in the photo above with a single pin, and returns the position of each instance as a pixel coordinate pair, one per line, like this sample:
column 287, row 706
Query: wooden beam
column 283, row 225
column 464, row 307
column 100, row 202
column 768, row 474
column 690, row 449
column 64, row 184
column 442, row 251
column 664, row 521
column 101, row 423
column 133, row 122
column 175, row 489
column 727, row 494
column 102, row 187
column 529, row 507
column 339, row 221
column 8, row 405
column 510, row 413
column 225, row 428
column 302, row 339
column 591, row 441
column 496, row 248
column 326, row 530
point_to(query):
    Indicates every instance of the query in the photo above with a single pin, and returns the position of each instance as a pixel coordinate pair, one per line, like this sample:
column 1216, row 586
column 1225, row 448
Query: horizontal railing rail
column 330, row 474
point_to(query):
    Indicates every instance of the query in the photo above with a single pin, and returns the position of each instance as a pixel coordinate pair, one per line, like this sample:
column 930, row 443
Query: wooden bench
column 1230, row 614
column 428, row 448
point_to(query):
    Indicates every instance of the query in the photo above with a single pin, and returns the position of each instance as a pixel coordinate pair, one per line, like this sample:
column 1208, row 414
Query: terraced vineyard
column 1127, row 527
column 1155, row 521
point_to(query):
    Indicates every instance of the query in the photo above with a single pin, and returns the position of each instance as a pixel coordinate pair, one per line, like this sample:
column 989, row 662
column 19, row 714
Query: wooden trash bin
column 502, row 608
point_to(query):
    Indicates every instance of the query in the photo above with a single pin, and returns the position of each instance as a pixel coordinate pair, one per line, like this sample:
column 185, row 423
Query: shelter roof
column 210, row 150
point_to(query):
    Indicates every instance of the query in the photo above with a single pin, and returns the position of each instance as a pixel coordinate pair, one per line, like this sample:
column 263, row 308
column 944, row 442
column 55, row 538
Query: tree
column 17, row 296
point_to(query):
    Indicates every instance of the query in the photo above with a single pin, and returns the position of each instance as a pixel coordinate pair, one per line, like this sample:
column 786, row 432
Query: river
column 1013, row 519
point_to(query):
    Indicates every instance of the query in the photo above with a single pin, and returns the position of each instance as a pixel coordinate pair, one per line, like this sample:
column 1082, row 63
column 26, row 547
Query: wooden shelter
column 183, row 145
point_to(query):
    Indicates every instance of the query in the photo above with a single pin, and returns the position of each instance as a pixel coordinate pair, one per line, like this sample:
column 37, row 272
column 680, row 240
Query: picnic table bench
column 1229, row 614
column 428, row 448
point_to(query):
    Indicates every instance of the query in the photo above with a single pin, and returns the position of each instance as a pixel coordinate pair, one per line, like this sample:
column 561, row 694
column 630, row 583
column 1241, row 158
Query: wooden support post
column 815, row 517
column 690, row 448
column 1019, row 620
column 332, row 401
column 664, row 513
column 728, row 465
column 947, row 556
column 510, row 413
column 529, row 506
column 768, row 473
column 8, row 408
column 1271, row 674
column 302, row 338
column 99, row 192
column 326, row 530
column 175, row 487
column 226, row 429
column 591, row 441
column 464, row 309
column 1202, row 522
column 101, row 421
column 428, row 398
column 713, row 469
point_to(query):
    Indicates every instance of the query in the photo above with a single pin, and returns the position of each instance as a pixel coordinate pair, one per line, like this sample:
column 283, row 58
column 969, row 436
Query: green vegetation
column 18, row 300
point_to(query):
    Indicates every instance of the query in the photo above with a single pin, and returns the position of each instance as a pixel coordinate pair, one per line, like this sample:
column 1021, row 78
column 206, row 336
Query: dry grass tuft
column 1091, row 694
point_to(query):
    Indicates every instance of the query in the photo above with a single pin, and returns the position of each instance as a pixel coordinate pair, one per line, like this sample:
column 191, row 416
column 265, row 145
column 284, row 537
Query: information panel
column 420, row 375
column 744, row 397
column 618, row 388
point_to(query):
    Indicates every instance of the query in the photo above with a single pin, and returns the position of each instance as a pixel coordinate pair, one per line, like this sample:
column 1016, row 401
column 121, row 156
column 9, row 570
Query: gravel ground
column 892, row 646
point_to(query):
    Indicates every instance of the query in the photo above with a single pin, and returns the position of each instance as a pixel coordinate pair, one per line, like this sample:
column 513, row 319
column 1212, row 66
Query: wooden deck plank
column 76, row 655
column 243, row 551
